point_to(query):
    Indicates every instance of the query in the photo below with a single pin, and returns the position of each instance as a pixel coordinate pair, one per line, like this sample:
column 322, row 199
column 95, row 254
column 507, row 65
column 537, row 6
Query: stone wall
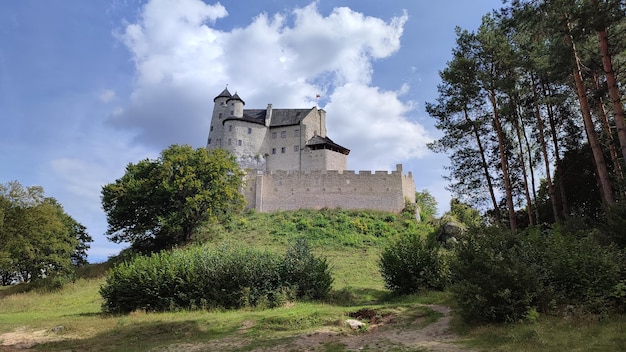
column 291, row 190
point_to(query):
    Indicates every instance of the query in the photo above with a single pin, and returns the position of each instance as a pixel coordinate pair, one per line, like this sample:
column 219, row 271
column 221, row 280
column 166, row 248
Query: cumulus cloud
column 183, row 60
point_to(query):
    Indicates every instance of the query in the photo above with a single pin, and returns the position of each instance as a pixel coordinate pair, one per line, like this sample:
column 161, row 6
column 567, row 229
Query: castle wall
column 323, row 159
column 291, row 190
column 283, row 148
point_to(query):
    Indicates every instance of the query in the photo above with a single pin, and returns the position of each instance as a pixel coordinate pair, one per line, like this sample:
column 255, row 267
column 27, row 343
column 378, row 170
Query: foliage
column 203, row 277
column 413, row 263
column 427, row 205
column 160, row 203
column 37, row 238
column 614, row 225
column 500, row 276
column 306, row 274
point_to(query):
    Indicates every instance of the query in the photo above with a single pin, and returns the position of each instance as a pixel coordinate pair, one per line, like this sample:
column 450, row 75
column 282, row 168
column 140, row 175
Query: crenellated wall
column 291, row 190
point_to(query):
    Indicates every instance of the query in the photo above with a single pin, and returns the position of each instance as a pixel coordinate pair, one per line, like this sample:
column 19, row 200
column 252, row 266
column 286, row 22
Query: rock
column 355, row 324
column 58, row 329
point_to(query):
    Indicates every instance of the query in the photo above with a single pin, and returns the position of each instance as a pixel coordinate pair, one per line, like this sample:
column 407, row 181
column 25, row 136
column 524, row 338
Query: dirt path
column 380, row 336
column 435, row 337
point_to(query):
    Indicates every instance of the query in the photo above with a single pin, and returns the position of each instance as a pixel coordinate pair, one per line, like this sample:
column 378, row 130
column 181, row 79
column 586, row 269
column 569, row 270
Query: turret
column 220, row 112
column 235, row 106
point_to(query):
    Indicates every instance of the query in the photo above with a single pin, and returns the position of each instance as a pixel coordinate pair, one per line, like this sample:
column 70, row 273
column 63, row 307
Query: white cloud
column 373, row 124
column 106, row 95
column 182, row 61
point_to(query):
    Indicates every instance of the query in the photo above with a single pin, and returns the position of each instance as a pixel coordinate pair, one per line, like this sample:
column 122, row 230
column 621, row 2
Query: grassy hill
column 70, row 318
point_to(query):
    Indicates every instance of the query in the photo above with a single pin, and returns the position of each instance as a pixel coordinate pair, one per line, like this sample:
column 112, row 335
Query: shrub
column 308, row 275
column 413, row 263
column 203, row 277
column 495, row 277
column 500, row 276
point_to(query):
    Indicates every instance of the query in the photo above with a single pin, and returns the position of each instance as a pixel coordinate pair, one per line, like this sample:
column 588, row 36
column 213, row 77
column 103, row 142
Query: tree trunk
column 485, row 165
column 606, row 126
column 544, row 151
column 532, row 171
column 529, row 203
column 616, row 103
column 504, row 164
column 602, row 172
column 557, row 155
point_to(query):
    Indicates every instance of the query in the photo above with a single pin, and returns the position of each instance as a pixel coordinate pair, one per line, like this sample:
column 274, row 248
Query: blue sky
column 87, row 87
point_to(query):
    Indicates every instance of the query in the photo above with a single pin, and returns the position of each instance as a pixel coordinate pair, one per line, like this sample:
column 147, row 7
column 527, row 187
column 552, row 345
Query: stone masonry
column 292, row 164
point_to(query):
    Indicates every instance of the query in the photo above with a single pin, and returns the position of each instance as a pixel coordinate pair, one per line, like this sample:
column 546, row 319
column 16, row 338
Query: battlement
column 290, row 189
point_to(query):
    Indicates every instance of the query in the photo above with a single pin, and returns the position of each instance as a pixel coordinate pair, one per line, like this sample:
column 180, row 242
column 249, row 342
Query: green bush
column 306, row 274
column 413, row 263
column 495, row 277
column 225, row 277
column 500, row 276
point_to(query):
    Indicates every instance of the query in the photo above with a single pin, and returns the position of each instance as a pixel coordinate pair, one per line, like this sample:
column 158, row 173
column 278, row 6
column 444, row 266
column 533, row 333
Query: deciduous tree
column 159, row 203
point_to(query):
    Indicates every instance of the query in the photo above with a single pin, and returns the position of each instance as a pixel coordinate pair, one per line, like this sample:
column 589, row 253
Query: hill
column 70, row 318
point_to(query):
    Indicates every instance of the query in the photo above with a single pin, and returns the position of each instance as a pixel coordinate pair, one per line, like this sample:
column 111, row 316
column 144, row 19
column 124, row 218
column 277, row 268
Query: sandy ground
column 380, row 336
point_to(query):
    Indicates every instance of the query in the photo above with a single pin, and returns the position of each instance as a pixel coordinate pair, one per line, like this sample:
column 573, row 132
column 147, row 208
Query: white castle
column 292, row 163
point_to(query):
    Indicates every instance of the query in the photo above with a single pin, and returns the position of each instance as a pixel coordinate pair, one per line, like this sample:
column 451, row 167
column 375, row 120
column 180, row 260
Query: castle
column 291, row 163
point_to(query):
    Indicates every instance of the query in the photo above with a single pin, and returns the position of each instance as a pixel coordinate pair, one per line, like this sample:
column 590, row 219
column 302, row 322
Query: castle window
column 229, row 141
column 296, row 133
column 211, row 129
column 232, row 112
column 282, row 150
column 249, row 130
column 273, row 150
column 283, row 134
column 296, row 148
column 220, row 116
column 273, row 135
column 230, row 128
column 239, row 142
column 209, row 141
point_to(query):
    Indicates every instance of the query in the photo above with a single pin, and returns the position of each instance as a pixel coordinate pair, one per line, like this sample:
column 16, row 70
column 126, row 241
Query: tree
column 37, row 238
column 427, row 204
column 160, row 203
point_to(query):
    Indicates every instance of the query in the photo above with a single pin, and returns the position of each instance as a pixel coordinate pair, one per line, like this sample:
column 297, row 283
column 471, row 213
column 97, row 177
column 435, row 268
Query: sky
column 87, row 87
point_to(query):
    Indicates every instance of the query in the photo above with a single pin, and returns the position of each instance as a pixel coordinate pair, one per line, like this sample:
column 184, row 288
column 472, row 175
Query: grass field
column 70, row 319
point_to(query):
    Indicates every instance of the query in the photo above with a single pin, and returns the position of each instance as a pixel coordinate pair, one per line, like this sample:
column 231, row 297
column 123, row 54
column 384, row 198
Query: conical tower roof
column 236, row 97
column 224, row 94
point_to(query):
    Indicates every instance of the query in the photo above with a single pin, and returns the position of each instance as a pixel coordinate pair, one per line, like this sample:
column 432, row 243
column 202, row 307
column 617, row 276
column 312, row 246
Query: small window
column 273, row 135
column 232, row 112
column 296, row 148
column 249, row 130
column 220, row 116
column 283, row 134
column 209, row 141
column 239, row 142
column 211, row 129
column 230, row 128
column 229, row 141
column 282, row 150
column 296, row 133
column 273, row 150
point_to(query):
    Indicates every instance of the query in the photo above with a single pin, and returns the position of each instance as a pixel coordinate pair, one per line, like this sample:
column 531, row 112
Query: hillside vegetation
column 70, row 317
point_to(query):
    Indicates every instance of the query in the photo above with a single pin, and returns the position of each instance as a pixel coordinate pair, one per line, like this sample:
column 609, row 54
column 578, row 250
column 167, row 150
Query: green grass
column 550, row 334
column 354, row 242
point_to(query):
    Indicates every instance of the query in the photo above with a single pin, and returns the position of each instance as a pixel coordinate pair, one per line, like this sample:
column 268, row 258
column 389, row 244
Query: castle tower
column 220, row 112
column 235, row 106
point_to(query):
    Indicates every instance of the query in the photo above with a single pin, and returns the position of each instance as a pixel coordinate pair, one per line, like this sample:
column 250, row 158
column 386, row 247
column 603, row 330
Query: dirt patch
column 22, row 338
column 382, row 336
